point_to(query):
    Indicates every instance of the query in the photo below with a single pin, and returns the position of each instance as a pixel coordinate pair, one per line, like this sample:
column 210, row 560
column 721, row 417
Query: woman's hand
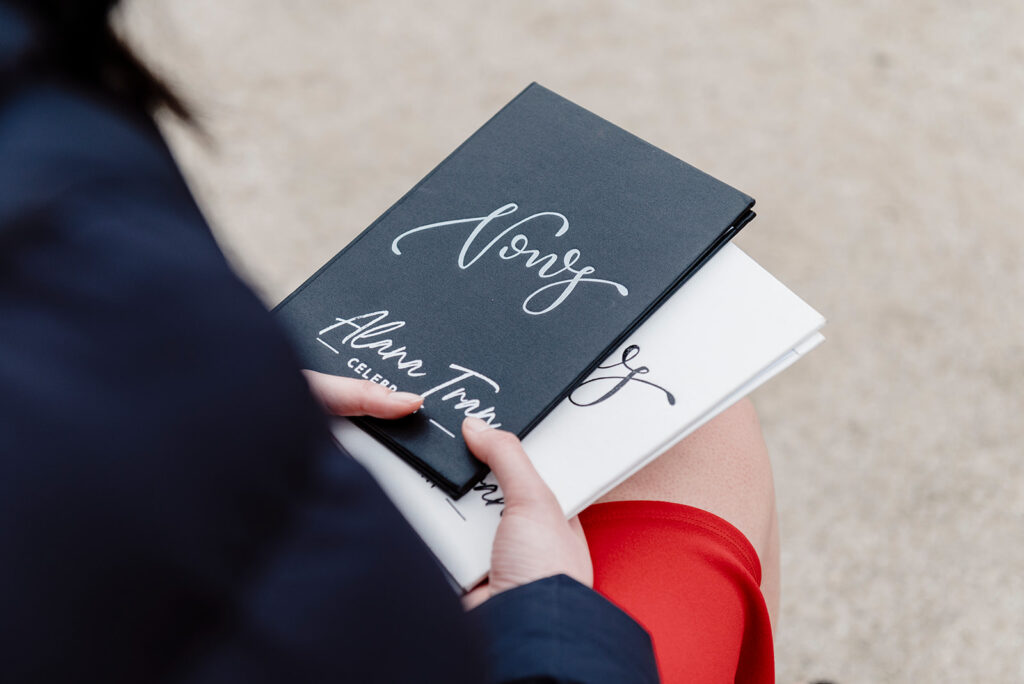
column 534, row 539
column 351, row 397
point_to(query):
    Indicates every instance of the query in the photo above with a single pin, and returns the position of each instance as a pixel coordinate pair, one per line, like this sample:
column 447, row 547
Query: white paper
column 729, row 329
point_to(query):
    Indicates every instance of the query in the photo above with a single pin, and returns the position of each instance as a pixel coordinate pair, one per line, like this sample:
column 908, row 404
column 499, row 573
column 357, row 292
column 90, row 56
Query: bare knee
column 722, row 468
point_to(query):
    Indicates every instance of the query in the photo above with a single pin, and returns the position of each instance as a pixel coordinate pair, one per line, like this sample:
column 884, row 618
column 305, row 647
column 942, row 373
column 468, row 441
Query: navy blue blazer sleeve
column 171, row 504
column 557, row 630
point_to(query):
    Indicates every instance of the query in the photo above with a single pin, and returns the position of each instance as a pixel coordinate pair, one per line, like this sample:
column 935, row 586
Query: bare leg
column 724, row 469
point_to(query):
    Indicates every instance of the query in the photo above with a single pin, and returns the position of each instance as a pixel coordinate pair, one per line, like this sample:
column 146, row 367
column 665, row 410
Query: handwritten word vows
column 545, row 298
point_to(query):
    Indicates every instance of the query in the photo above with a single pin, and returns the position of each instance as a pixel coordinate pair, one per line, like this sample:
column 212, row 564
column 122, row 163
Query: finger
column 520, row 483
column 577, row 529
column 351, row 397
column 476, row 597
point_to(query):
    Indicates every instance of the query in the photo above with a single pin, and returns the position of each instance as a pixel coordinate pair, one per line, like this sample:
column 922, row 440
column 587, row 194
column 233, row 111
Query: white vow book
column 728, row 330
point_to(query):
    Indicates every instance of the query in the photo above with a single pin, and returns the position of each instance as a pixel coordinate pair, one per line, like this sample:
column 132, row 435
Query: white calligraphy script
column 368, row 332
column 518, row 245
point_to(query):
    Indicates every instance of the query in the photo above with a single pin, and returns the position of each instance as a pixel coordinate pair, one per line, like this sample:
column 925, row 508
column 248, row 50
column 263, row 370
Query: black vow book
column 508, row 273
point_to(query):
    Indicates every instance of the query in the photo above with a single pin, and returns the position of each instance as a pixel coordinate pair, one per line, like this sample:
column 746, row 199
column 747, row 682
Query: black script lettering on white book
column 618, row 381
column 367, row 332
column 519, row 246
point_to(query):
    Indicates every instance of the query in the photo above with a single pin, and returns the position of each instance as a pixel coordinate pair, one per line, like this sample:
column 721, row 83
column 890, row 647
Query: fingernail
column 406, row 397
column 475, row 425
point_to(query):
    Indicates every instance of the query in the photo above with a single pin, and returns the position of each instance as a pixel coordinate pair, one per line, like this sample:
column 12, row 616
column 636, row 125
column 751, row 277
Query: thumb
column 520, row 482
column 477, row 596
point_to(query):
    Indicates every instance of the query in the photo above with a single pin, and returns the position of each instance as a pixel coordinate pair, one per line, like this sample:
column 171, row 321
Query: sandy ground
column 883, row 142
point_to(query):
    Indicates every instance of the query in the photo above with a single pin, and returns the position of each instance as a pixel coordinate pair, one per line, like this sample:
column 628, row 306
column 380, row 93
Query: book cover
column 662, row 383
column 503, row 277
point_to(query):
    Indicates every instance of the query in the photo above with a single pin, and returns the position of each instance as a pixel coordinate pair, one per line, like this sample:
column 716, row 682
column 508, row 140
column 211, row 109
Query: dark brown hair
column 76, row 41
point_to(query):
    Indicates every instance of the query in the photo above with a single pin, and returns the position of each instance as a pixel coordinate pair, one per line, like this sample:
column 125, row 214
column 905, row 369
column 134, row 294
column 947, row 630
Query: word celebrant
column 548, row 265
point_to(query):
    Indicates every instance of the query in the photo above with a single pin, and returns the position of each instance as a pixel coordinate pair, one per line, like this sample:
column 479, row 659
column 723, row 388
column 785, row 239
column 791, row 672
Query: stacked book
column 535, row 280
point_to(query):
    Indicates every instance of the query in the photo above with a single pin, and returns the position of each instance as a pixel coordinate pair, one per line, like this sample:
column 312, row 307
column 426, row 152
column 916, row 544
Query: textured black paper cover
column 637, row 215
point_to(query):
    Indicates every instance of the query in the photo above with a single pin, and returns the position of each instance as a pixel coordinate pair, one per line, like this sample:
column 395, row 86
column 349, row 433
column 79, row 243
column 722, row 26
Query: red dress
column 692, row 580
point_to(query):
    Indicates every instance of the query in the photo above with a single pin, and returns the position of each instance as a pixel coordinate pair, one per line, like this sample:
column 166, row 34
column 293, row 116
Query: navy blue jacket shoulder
column 171, row 504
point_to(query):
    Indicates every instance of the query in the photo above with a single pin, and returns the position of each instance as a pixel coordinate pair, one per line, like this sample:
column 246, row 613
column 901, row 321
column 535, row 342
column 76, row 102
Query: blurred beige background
column 883, row 142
